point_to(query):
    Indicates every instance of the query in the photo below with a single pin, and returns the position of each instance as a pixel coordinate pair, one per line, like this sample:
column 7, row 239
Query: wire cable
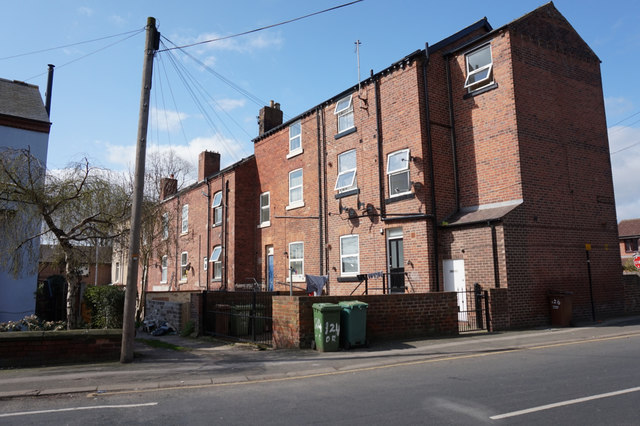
column 89, row 54
column 263, row 28
column 70, row 45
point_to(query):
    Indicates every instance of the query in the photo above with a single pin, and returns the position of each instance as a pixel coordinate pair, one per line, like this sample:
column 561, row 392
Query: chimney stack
column 168, row 187
column 208, row 164
column 269, row 118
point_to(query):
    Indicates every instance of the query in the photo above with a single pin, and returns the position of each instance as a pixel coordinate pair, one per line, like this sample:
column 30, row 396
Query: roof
column 629, row 228
column 483, row 23
column 481, row 214
column 22, row 100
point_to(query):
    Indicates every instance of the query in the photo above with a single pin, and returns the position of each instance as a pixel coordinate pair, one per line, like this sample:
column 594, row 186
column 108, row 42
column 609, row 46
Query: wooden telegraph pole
column 128, row 322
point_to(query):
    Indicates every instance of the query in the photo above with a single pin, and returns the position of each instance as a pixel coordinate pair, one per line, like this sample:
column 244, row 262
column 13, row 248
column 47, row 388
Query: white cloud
column 118, row 20
column 167, row 120
column 123, row 156
column 624, row 143
column 230, row 104
column 617, row 106
column 86, row 11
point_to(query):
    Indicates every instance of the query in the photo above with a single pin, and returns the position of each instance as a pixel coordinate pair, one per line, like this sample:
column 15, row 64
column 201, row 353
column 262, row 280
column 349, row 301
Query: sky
column 207, row 97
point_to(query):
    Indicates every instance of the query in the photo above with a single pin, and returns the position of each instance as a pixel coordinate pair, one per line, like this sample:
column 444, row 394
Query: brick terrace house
column 629, row 234
column 482, row 158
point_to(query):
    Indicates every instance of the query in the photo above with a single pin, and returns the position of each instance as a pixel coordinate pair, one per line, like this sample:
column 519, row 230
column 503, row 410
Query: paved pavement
column 207, row 361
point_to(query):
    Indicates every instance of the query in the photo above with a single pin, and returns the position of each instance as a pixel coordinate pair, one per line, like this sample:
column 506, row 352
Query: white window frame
column 298, row 275
column 117, row 273
column 217, row 263
column 184, row 266
column 185, row 218
column 165, row 226
column 297, row 202
column 205, row 263
column 295, row 138
column 344, row 112
column 348, row 176
column 163, row 268
column 217, row 208
column 485, row 72
column 347, row 255
column 399, row 171
column 265, row 208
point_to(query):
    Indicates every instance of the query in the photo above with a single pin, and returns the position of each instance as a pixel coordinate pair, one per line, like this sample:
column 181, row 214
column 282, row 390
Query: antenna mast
column 357, row 43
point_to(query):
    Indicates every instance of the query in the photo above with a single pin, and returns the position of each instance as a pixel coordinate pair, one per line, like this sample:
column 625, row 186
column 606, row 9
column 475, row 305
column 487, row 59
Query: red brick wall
column 34, row 348
column 388, row 317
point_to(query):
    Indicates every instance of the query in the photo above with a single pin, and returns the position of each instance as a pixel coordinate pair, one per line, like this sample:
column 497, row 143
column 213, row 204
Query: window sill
column 264, row 225
column 215, row 225
column 294, row 206
column 347, row 193
column 295, row 153
column 480, row 91
column 401, row 197
column 346, row 132
column 353, row 279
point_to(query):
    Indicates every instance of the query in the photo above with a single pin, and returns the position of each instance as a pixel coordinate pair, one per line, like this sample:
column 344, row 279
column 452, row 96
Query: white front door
column 454, row 281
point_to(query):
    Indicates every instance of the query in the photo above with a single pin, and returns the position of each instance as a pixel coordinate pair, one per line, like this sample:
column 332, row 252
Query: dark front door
column 396, row 265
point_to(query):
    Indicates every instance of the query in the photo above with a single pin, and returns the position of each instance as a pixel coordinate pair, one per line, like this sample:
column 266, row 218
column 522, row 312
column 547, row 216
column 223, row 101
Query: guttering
column 436, row 251
column 392, row 218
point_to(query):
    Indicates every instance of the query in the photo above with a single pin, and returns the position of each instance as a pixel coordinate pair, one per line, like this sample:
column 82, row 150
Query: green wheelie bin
column 353, row 321
column 326, row 326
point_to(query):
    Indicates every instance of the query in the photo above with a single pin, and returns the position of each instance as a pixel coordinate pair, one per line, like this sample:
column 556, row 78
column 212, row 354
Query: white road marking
column 59, row 410
column 563, row 403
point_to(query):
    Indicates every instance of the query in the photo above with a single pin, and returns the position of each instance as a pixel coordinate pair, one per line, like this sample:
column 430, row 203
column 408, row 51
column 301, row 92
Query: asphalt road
column 593, row 381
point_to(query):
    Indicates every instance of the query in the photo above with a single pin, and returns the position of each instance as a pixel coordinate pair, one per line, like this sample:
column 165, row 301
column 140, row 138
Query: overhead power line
column 71, row 45
column 263, row 28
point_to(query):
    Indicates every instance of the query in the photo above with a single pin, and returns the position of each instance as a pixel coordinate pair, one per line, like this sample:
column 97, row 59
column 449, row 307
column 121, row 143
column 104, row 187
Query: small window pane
column 265, row 207
column 343, row 104
column 215, row 254
column 398, row 161
column 349, row 245
column 478, row 59
column 399, row 183
column 345, row 180
column 217, row 199
column 350, row 264
column 295, row 136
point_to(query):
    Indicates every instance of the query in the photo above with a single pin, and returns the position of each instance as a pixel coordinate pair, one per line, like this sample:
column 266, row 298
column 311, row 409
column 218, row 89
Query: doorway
column 269, row 271
column 395, row 249
column 454, row 281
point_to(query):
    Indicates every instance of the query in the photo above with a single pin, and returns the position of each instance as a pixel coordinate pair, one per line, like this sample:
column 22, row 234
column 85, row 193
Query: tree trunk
column 73, row 289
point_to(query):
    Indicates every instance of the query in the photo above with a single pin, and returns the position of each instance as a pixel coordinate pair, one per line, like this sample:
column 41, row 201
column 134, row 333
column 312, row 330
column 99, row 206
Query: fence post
column 477, row 290
column 486, row 311
column 252, row 315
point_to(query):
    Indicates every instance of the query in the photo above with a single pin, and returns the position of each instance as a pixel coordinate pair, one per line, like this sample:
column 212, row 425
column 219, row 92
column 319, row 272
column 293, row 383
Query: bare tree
column 74, row 206
column 159, row 165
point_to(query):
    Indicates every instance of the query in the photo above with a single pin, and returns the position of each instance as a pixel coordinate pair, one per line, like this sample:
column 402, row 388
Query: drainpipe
column 320, row 195
column 434, row 220
column 383, row 210
column 453, row 133
column 225, row 205
column 494, row 245
column 207, row 252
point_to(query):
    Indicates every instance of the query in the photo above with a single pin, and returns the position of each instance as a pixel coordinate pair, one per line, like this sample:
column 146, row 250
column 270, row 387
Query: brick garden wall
column 34, row 348
column 631, row 283
column 388, row 317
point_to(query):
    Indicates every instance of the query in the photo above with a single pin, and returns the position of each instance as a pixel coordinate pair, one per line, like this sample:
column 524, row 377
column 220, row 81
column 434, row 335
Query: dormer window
column 344, row 112
column 479, row 67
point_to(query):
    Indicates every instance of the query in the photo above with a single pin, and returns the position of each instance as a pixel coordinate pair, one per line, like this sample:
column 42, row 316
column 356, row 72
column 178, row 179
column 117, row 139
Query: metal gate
column 238, row 315
column 475, row 317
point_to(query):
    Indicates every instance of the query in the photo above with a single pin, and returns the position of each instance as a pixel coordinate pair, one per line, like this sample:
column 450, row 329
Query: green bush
column 106, row 304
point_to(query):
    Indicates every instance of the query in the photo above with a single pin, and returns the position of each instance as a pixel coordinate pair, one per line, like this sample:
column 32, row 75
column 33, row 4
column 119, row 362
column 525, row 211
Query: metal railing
column 238, row 315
